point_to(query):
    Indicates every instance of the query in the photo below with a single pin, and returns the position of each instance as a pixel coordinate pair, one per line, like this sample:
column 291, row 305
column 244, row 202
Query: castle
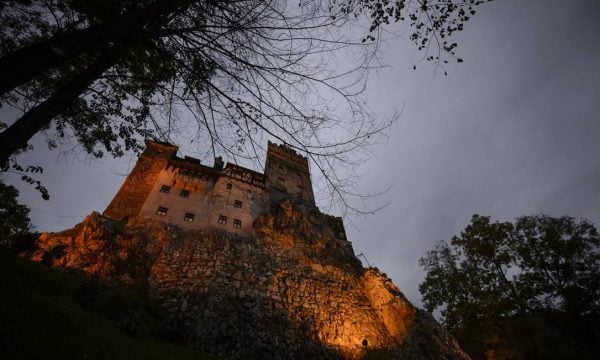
column 186, row 193
column 252, row 269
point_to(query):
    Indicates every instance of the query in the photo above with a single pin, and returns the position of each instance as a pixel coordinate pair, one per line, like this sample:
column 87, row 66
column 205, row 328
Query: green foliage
column 432, row 23
column 43, row 317
column 496, row 274
column 559, row 260
column 14, row 217
column 25, row 173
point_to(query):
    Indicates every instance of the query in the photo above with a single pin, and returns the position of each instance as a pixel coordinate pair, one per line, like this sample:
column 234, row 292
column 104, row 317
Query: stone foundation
column 295, row 291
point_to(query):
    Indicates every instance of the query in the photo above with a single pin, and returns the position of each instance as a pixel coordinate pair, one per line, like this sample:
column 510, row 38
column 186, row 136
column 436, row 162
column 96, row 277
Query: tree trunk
column 26, row 64
column 18, row 135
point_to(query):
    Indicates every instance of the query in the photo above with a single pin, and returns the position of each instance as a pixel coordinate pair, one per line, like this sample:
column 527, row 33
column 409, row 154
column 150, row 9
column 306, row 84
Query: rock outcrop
column 295, row 290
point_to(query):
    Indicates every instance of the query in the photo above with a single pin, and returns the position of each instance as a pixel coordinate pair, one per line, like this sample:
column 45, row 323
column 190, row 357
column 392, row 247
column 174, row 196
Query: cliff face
column 296, row 290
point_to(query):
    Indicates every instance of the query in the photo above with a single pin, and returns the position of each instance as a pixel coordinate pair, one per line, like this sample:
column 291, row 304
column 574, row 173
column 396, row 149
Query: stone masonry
column 244, row 265
column 295, row 290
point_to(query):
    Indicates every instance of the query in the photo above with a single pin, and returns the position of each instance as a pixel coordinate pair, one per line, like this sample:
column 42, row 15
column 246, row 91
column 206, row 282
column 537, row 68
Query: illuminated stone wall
column 139, row 183
column 285, row 284
column 293, row 291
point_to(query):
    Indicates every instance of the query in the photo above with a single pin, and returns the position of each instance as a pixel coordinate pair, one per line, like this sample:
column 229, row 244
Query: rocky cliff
column 295, row 290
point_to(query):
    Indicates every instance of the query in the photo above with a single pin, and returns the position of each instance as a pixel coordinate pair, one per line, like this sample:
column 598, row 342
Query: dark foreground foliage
column 522, row 290
column 45, row 314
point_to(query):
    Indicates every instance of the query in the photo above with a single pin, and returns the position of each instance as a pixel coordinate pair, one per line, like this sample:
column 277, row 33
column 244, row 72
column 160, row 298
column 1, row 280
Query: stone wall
column 208, row 198
column 293, row 291
column 288, row 173
column 139, row 183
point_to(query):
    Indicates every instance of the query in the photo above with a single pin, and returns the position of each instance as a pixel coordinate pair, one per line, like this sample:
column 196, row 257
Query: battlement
column 285, row 153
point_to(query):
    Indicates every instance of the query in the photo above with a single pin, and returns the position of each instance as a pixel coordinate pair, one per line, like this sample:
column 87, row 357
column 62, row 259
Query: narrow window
column 229, row 186
column 237, row 204
column 189, row 217
column 237, row 223
column 281, row 179
column 222, row 219
column 162, row 211
column 165, row 189
column 300, row 187
column 184, row 194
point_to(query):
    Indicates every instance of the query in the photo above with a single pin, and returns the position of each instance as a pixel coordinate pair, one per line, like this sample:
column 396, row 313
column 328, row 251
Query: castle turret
column 140, row 181
column 287, row 172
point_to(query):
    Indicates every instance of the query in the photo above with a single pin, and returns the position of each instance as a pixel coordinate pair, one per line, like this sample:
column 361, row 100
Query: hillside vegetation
column 46, row 314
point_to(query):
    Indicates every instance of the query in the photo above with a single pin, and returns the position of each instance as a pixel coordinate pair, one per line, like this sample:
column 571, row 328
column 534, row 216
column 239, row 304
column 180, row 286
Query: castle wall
column 254, row 202
column 208, row 199
column 288, row 173
column 140, row 182
column 177, row 206
column 293, row 291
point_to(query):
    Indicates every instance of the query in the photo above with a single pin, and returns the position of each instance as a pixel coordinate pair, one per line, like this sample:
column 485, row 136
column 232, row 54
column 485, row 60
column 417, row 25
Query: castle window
column 237, row 204
column 229, row 186
column 222, row 219
column 237, row 223
column 162, row 211
column 165, row 189
column 184, row 194
column 300, row 187
column 281, row 179
column 189, row 217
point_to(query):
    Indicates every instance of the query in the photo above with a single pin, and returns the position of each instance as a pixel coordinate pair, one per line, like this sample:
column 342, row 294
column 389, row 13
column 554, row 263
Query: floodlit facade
column 186, row 193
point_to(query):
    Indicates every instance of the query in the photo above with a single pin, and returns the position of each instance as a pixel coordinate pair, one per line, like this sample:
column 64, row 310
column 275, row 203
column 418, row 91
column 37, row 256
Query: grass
column 42, row 317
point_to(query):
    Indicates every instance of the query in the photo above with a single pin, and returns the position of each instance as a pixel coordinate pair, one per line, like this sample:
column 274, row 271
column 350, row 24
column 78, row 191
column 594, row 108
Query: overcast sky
column 514, row 130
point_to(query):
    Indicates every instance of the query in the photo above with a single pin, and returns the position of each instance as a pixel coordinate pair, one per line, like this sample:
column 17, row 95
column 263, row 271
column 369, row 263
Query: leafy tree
column 559, row 262
column 227, row 74
column 14, row 217
column 492, row 279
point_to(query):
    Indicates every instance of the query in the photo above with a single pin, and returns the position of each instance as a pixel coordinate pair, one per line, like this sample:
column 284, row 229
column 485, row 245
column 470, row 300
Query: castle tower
column 139, row 183
column 287, row 172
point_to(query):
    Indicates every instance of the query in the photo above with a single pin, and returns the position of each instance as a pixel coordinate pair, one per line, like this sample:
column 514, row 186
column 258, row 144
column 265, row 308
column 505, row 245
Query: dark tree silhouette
column 14, row 217
column 223, row 73
column 496, row 274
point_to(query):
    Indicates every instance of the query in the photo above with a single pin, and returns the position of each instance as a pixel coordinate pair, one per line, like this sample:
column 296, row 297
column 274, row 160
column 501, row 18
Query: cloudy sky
column 514, row 130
